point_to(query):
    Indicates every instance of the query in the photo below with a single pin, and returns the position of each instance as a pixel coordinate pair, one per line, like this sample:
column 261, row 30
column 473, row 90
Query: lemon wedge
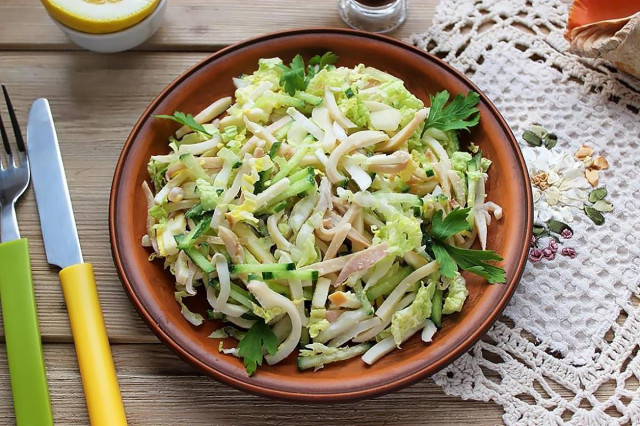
column 99, row 16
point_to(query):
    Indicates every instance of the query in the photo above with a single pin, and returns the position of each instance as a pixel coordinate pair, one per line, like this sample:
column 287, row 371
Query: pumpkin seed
column 557, row 226
column 539, row 131
column 550, row 140
column 594, row 215
column 603, row 206
column 538, row 229
column 597, row 194
column 531, row 138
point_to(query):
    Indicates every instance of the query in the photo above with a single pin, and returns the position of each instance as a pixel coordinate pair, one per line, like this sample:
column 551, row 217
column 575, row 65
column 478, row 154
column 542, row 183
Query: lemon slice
column 99, row 16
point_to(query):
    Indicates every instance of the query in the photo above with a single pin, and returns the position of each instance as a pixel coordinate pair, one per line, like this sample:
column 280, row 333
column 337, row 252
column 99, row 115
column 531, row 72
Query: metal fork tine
column 5, row 138
column 14, row 121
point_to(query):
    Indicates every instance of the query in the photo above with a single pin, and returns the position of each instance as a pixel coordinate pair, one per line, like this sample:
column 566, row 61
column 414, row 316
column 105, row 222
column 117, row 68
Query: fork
column 24, row 347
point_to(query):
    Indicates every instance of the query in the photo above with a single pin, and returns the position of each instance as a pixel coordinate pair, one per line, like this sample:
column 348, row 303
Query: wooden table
column 96, row 99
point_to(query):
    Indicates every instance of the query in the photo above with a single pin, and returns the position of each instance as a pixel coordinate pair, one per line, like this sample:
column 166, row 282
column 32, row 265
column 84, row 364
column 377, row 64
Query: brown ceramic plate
column 151, row 288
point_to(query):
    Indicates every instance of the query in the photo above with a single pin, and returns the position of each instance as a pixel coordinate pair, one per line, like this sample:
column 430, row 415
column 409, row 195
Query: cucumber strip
column 291, row 164
column 309, row 98
column 304, row 337
column 211, row 315
column 277, row 208
column 436, row 308
column 307, row 293
column 301, row 174
column 388, row 283
column 187, row 241
column 395, row 198
column 273, row 151
column 199, row 260
column 246, row 268
column 300, row 274
column 302, row 186
column 279, row 288
column 236, row 294
column 318, row 361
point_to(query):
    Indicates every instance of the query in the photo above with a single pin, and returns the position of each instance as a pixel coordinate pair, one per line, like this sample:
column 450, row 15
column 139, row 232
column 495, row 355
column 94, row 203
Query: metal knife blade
column 50, row 183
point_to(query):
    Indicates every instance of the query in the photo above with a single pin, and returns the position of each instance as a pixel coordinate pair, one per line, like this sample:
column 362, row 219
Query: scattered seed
column 603, row 206
column 594, row 215
column 597, row 194
column 600, row 163
column 538, row 130
column 558, row 227
column 592, row 177
column 531, row 138
column 550, row 140
column 584, row 151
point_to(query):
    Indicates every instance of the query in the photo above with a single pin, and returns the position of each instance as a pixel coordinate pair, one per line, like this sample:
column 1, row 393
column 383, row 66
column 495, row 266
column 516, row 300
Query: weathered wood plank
column 203, row 25
column 95, row 102
column 160, row 389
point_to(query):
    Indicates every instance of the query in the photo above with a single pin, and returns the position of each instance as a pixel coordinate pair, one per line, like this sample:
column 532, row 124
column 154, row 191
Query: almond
column 600, row 163
column 592, row 176
column 584, row 151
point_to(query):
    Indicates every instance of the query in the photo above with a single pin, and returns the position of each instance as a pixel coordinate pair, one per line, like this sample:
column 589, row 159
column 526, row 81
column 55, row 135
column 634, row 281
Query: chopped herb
column 450, row 258
column 259, row 338
column 455, row 222
column 461, row 113
column 295, row 77
column 187, row 120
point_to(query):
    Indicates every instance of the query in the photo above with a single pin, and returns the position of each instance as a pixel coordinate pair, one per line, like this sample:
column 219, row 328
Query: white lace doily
column 568, row 351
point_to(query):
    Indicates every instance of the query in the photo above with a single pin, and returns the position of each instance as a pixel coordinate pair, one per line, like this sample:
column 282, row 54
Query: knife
column 99, row 380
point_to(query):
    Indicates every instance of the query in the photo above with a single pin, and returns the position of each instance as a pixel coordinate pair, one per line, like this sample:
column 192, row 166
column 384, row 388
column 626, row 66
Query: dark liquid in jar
column 375, row 3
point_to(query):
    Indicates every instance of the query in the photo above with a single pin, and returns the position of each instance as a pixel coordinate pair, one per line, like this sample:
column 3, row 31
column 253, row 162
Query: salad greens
column 323, row 208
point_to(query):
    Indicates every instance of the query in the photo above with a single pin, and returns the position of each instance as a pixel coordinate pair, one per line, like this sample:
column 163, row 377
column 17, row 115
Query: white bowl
column 121, row 40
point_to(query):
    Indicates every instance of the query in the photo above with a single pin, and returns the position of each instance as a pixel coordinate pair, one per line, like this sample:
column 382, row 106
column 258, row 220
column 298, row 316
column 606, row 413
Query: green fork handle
column 24, row 347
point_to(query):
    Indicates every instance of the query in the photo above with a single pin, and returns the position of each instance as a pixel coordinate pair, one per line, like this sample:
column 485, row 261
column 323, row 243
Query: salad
column 323, row 210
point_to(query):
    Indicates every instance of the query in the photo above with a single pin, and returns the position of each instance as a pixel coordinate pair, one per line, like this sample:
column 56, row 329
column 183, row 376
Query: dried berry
column 535, row 255
column 569, row 252
column 566, row 233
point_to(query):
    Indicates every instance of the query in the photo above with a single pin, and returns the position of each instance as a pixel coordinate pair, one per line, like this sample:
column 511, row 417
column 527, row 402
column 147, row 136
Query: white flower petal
column 552, row 195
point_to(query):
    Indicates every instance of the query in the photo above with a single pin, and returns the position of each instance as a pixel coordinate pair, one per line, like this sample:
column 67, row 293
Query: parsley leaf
column 448, row 266
column 455, row 222
column 251, row 347
column 328, row 58
column 451, row 258
column 187, row 120
column 460, row 114
column 294, row 77
column 475, row 261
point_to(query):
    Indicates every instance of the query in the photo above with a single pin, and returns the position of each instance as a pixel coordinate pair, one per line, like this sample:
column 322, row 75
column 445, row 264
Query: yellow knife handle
column 98, row 372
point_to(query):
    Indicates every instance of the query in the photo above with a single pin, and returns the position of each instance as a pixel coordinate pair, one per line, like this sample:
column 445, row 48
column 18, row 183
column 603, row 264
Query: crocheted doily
column 567, row 349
